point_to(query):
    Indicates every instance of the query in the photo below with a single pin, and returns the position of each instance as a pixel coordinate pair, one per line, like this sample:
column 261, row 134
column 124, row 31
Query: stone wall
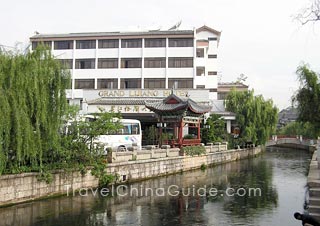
column 25, row 187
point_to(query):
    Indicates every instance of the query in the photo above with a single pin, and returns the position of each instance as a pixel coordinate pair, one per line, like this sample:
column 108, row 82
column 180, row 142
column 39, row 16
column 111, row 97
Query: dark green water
column 280, row 175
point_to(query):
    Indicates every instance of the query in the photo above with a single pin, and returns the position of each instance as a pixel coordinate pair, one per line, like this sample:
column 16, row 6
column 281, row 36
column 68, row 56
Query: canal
column 263, row 191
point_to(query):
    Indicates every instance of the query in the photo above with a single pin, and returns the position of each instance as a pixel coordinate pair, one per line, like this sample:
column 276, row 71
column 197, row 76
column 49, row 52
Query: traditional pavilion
column 179, row 120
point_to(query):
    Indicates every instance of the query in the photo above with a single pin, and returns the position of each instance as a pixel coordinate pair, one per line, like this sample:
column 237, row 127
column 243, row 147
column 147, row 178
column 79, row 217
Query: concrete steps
column 314, row 192
column 314, row 209
column 313, row 201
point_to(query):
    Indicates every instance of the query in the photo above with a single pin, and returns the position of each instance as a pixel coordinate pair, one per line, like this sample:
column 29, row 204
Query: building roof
column 206, row 28
column 112, row 34
column 231, row 85
column 174, row 103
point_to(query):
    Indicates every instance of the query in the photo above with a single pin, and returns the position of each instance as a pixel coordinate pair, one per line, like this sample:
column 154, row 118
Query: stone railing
column 153, row 152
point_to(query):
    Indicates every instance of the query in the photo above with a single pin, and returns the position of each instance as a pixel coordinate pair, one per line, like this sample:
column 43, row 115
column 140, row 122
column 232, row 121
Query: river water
column 263, row 191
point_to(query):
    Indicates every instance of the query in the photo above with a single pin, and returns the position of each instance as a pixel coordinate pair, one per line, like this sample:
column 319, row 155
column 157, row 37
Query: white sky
column 259, row 38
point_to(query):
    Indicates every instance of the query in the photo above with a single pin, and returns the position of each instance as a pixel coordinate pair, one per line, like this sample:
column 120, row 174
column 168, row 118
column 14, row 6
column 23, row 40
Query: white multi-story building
column 119, row 69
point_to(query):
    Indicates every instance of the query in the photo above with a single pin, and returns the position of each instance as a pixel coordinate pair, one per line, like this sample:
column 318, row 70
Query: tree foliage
column 214, row 130
column 33, row 101
column 307, row 97
column 33, row 112
column 305, row 129
column 255, row 116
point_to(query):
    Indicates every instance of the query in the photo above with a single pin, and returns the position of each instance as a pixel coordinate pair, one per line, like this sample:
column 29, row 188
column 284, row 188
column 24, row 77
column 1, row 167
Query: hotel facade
column 119, row 71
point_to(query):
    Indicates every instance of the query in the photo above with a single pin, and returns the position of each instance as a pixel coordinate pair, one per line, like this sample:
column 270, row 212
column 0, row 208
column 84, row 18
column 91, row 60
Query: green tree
column 255, row 116
column 34, row 114
column 33, row 102
column 214, row 130
column 307, row 97
column 305, row 129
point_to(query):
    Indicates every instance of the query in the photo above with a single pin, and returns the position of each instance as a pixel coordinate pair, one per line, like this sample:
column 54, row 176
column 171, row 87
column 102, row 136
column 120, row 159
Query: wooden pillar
column 180, row 133
column 199, row 130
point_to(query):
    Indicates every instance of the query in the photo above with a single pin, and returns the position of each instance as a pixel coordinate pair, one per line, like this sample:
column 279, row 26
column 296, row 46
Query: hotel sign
column 141, row 93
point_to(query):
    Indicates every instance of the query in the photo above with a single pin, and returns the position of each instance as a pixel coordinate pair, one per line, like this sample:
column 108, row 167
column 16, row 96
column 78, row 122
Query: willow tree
column 255, row 116
column 307, row 98
column 33, row 102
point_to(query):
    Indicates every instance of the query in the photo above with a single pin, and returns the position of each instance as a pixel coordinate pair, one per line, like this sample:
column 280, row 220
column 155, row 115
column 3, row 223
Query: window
column 66, row 63
column 108, row 63
column 212, row 73
column 154, row 42
column 153, row 83
column 180, row 83
column 130, row 83
column 86, row 44
column 180, row 42
column 179, row 62
column 47, row 44
column 107, row 83
column 201, row 71
column 63, row 45
column 85, row 63
column 212, row 39
column 131, row 43
column 200, row 52
column 201, row 86
column 108, row 43
column 131, row 63
column 154, row 62
column 212, row 56
column 84, row 83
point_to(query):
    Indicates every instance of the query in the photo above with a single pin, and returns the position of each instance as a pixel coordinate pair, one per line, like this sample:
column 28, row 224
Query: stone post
column 318, row 152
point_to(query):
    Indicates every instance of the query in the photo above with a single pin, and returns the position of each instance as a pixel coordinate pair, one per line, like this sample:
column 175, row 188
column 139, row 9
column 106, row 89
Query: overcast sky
column 259, row 38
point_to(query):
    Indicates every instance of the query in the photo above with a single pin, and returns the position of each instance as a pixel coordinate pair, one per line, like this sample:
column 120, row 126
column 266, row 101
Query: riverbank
column 26, row 187
column 313, row 183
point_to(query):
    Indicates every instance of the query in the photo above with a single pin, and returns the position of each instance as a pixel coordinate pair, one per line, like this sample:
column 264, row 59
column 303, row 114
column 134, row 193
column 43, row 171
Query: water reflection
column 280, row 174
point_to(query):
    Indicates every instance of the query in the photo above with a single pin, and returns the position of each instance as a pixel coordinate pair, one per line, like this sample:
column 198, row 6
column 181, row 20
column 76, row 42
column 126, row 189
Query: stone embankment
column 313, row 183
column 127, row 167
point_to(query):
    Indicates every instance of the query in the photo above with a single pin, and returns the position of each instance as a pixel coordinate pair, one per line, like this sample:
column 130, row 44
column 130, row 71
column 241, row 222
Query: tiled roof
column 178, row 104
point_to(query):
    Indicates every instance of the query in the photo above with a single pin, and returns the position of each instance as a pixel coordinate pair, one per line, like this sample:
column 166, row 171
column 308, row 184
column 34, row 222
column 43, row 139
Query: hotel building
column 121, row 70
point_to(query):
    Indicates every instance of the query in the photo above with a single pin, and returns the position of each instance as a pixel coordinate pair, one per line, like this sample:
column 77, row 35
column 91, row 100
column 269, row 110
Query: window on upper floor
column 131, row 63
column 85, row 63
column 180, row 42
column 159, row 62
column 152, row 83
column 201, row 71
column 212, row 56
column 200, row 52
column 108, row 43
column 180, row 62
column 86, row 44
column 212, row 73
column 107, row 83
column 130, row 83
column 66, row 63
column 180, row 83
column 154, row 42
column 84, row 83
column 47, row 44
column 63, row 45
column 108, row 63
column 131, row 43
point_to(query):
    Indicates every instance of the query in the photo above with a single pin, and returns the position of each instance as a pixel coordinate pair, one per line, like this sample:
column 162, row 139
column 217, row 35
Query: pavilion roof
column 174, row 103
